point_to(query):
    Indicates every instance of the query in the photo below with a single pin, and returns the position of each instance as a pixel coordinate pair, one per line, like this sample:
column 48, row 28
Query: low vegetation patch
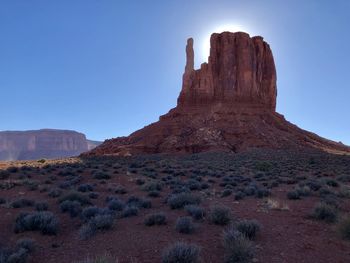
column 343, row 228
column 325, row 212
column 185, row 225
column 220, row 215
column 181, row 252
column 238, row 249
column 46, row 222
column 177, row 201
column 155, row 219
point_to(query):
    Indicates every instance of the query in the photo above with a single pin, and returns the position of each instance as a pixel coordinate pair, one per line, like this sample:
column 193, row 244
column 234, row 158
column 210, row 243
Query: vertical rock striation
column 240, row 70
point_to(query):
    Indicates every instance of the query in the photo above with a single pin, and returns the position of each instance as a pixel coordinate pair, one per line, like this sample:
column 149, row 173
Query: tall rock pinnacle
column 241, row 70
column 228, row 105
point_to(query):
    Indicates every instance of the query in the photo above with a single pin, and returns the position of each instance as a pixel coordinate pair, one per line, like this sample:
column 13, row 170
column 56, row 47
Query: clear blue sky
column 107, row 68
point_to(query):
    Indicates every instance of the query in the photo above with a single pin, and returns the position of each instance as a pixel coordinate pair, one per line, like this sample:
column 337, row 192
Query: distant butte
column 228, row 105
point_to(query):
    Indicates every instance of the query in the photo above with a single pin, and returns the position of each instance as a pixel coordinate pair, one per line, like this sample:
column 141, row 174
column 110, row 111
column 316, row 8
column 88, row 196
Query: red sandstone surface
column 229, row 104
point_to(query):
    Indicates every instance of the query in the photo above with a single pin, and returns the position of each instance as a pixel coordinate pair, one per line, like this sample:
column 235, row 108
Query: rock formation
column 227, row 105
column 241, row 70
column 46, row 143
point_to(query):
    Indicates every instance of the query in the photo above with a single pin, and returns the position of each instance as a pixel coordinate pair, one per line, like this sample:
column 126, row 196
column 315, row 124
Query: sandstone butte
column 45, row 143
column 228, row 105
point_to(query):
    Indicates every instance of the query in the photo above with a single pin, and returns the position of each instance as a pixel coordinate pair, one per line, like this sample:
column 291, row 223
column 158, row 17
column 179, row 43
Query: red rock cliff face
column 28, row 145
column 229, row 104
column 241, row 70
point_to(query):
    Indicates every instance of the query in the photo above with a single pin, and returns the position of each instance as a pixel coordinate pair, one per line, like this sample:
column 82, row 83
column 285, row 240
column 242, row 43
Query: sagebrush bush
column 116, row 205
column 249, row 228
column 220, row 215
column 177, row 201
column 55, row 192
column 293, row 195
column 155, row 219
column 18, row 256
column 226, row 192
column 101, row 176
column 325, row 212
column 195, row 211
column 238, row 249
column 343, row 228
column 75, row 196
column 152, row 186
column 139, row 202
column 184, row 225
column 42, row 206
column 23, row 202
column 129, row 211
column 85, row 188
column 26, row 243
column 100, row 221
column 46, row 222
column 181, row 252
column 72, row 207
column 89, row 212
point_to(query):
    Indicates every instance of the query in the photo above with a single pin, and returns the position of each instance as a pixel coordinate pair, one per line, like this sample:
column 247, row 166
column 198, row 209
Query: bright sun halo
column 218, row 29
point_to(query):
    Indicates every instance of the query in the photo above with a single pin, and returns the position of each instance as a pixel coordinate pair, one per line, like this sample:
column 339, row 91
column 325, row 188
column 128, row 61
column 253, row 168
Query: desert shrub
column 262, row 192
column 220, row 215
column 185, row 225
column 75, row 196
column 239, row 195
column 55, row 193
column 181, row 252
column 226, row 192
column 177, row 201
column 85, row 188
column 154, row 193
column 193, row 184
column 155, row 219
column 116, row 205
column 101, row 176
column 249, row 228
column 102, row 221
column 45, row 222
column 129, row 211
column 23, row 202
column 99, row 259
column 238, row 249
column 120, row 190
column 19, row 256
column 140, row 181
column 325, row 212
column 293, row 195
column 4, row 174
column 72, row 207
column 331, row 182
column 93, row 195
column 139, row 202
column 86, row 231
column 26, row 243
column 152, row 186
column 195, row 211
column 2, row 201
column 344, row 191
column 42, row 206
column 343, row 228
column 95, row 223
column 92, row 211
column 12, row 169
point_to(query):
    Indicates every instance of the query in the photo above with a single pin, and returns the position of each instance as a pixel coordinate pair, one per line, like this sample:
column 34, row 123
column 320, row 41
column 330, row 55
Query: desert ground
column 283, row 206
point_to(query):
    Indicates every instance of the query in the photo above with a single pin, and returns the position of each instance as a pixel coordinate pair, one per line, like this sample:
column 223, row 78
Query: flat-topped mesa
column 240, row 71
